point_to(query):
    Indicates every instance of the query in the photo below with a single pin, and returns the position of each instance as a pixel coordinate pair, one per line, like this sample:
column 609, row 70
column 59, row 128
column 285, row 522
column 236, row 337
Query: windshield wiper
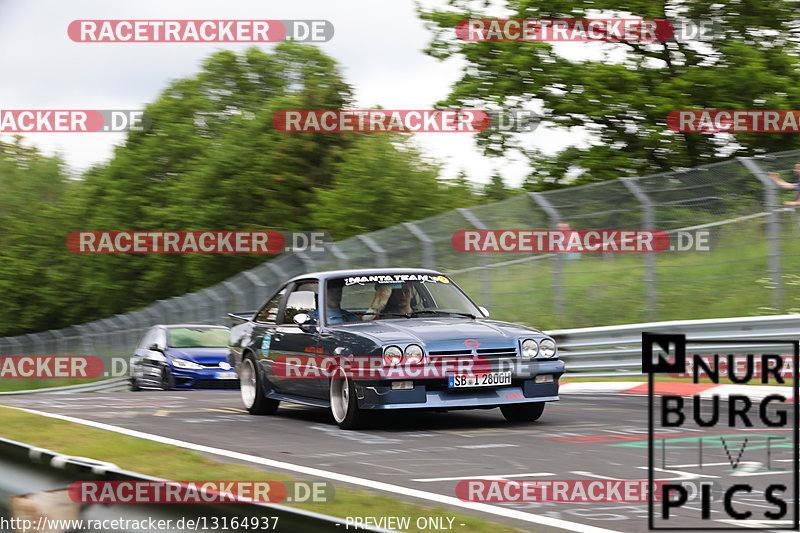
column 437, row 311
column 404, row 315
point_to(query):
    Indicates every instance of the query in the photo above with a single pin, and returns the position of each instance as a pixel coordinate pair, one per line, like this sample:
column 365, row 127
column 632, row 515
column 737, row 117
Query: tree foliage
column 212, row 160
column 622, row 99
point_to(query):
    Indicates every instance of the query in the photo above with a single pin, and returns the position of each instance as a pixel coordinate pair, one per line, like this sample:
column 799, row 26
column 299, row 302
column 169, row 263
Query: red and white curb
column 705, row 390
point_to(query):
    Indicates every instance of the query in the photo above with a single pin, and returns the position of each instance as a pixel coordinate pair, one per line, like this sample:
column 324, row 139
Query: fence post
column 648, row 221
column 558, row 269
column 486, row 274
column 375, row 248
column 340, row 256
column 773, row 229
column 426, row 242
column 259, row 291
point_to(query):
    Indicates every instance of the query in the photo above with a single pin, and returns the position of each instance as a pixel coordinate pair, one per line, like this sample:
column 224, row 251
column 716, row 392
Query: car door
column 292, row 348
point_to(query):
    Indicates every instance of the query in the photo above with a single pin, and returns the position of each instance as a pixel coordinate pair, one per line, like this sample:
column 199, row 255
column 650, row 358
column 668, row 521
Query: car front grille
column 486, row 353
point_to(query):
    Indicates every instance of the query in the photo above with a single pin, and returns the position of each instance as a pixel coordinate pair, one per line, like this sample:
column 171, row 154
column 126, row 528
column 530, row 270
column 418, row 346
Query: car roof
column 190, row 326
column 327, row 274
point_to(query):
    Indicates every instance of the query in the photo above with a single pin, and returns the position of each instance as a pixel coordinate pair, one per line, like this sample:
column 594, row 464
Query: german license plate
column 490, row 379
column 226, row 375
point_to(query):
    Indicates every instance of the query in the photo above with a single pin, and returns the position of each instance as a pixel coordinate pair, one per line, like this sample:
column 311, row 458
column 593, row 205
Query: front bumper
column 206, row 378
column 434, row 393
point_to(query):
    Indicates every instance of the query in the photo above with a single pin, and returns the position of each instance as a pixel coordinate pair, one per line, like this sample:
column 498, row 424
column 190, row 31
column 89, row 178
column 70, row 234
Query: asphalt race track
column 580, row 437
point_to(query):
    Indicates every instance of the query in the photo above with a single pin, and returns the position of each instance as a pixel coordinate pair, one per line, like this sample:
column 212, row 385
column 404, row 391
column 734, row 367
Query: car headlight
column 547, row 348
column 186, row 365
column 529, row 348
column 392, row 355
column 414, row 354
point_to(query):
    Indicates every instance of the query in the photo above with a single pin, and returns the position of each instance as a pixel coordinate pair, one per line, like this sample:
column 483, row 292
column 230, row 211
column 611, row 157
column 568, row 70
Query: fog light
column 402, row 385
column 544, row 378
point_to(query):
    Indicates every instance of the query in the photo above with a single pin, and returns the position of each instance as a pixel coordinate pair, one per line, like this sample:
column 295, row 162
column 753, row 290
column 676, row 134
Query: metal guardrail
column 616, row 350
column 27, row 471
column 105, row 385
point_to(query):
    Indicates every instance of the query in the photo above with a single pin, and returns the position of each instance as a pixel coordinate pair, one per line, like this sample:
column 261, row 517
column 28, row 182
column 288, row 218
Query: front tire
column 522, row 412
column 167, row 379
column 135, row 384
column 252, row 390
column 344, row 404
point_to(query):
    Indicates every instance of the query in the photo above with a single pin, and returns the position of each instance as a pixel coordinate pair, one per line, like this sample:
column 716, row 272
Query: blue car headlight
column 186, row 365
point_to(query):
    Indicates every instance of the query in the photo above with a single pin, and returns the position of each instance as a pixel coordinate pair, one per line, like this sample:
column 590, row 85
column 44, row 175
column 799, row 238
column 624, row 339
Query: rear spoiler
column 238, row 318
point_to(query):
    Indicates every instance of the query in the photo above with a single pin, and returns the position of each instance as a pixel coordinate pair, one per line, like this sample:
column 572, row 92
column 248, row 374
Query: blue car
column 363, row 341
column 183, row 356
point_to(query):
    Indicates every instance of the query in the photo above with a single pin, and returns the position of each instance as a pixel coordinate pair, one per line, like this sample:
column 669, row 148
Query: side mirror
column 304, row 321
column 484, row 311
column 154, row 348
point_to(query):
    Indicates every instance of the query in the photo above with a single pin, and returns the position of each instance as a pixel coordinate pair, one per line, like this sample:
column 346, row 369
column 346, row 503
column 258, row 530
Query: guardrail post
column 558, row 268
column 773, row 229
column 425, row 241
column 486, row 275
column 375, row 248
column 648, row 223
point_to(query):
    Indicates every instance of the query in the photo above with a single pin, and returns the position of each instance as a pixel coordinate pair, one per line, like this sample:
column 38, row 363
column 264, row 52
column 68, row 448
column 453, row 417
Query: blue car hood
column 441, row 333
column 203, row 356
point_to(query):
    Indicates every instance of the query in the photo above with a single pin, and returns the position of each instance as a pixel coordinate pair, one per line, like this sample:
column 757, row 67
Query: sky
column 378, row 44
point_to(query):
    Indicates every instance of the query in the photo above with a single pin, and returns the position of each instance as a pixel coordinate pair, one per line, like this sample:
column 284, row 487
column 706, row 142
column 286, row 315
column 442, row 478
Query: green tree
column 621, row 101
column 381, row 181
column 496, row 189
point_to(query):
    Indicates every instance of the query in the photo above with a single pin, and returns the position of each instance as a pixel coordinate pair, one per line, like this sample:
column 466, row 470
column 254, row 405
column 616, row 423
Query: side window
column 303, row 299
column 269, row 313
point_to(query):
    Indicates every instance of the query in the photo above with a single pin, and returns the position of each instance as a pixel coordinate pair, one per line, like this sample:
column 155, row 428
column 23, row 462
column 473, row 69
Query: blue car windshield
column 396, row 296
column 198, row 338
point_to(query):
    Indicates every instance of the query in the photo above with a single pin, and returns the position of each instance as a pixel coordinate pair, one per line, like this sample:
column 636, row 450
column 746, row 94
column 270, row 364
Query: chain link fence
column 751, row 269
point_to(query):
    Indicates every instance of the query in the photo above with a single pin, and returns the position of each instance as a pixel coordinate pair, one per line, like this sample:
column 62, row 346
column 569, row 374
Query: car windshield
column 395, row 296
column 198, row 337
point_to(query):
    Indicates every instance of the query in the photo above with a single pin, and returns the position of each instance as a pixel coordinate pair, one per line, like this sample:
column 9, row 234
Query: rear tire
column 522, row 412
column 344, row 404
column 252, row 389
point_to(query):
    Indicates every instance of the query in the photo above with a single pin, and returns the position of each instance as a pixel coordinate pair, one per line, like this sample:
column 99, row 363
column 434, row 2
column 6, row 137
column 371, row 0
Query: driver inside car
column 333, row 303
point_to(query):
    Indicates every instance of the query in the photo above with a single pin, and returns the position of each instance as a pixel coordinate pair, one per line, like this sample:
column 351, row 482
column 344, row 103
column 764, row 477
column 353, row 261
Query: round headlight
column 529, row 348
column 392, row 355
column 548, row 348
column 414, row 354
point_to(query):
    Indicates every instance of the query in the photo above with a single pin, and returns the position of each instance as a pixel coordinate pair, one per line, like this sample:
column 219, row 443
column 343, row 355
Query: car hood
column 202, row 356
column 443, row 333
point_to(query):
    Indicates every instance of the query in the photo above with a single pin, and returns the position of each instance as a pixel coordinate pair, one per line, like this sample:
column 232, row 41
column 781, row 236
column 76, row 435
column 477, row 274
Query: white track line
column 377, row 485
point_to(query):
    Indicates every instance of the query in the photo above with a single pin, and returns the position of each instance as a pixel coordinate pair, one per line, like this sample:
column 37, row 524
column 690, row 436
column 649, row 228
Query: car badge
column 471, row 344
